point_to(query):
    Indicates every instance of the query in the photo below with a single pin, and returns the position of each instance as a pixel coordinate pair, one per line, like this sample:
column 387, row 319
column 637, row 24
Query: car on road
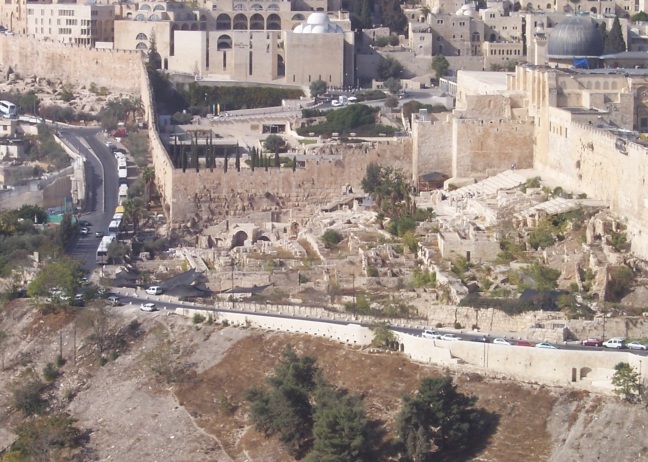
column 99, row 234
column 154, row 290
column 336, row 103
column 502, row 341
column 525, row 343
column 615, row 342
column 148, row 307
column 636, row 345
column 592, row 342
column 431, row 334
column 84, row 231
column 450, row 338
column 109, row 144
column 481, row 339
column 114, row 300
column 546, row 346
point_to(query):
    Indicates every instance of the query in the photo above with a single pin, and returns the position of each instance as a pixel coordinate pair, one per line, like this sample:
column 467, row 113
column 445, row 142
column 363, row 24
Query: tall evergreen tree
column 364, row 18
column 253, row 158
column 238, row 161
column 277, row 161
column 183, row 160
column 393, row 17
column 294, row 165
column 614, row 42
column 225, row 162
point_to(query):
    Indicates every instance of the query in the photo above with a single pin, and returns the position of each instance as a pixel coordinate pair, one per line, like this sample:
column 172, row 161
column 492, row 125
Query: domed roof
column 318, row 23
column 575, row 36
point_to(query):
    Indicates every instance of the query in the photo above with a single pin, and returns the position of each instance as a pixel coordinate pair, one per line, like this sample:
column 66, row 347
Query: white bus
column 115, row 227
column 122, row 174
column 123, row 194
column 102, row 250
column 8, row 110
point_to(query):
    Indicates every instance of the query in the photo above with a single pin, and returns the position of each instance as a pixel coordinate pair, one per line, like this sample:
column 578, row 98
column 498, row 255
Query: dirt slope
column 198, row 415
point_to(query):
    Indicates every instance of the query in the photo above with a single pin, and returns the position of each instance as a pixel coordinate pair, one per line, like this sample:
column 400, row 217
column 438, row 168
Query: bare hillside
column 170, row 390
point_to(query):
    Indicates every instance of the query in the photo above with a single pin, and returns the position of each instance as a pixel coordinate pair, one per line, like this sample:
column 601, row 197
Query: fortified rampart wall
column 584, row 158
column 213, row 195
column 113, row 69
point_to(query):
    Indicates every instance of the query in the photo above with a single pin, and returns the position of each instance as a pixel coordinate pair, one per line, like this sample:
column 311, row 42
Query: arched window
column 184, row 27
column 273, row 7
column 194, row 26
column 298, row 17
column 476, row 37
column 141, row 46
column 256, row 7
column 140, row 17
column 257, row 22
column 223, row 22
column 224, row 42
column 593, row 9
column 240, row 7
column 141, row 36
column 281, row 66
column 154, row 17
column 203, row 17
column 158, row 7
column 273, row 22
column 240, row 22
column 145, row 7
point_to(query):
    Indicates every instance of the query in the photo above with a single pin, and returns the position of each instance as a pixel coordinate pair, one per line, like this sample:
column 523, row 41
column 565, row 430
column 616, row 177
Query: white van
column 616, row 342
column 154, row 290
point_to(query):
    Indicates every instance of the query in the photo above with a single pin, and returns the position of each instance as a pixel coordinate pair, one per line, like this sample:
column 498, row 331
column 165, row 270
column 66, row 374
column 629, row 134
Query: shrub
column 50, row 372
column 198, row 318
column 372, row 272
column 331, row 238
column 28, row 396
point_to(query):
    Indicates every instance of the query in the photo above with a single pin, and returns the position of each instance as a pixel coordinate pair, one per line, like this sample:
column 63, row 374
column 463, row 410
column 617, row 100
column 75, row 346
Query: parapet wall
column 116, row 70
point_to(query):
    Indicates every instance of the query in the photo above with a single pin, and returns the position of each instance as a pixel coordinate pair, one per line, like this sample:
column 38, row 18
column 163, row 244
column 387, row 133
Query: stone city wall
column 116, row 70
column 432, row 147
column 206, row 195
column 584, row 158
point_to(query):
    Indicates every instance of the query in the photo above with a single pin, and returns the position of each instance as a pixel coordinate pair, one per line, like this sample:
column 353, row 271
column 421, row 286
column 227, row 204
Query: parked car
column 616, row 342
column 99, row 234
column 450, row 337
column 592, row 342
column 502, row 341
column 546, row 345
column 635, row 345
column 525, row 343
column 148, row 307
column 110, row 144
column 84, row 231
column 114, row 300
column 336, row 103
column 154, row 290
column 431, row 334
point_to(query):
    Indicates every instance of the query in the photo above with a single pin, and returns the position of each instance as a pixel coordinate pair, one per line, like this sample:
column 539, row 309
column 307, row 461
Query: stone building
column 78, row 24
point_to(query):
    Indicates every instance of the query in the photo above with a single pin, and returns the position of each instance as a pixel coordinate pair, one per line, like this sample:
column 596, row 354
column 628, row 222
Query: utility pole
column 354, row 297
column 232, row 284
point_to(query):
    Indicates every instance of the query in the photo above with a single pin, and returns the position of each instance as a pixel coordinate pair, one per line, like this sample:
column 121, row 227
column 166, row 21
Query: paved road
column 102, row 188
column 171, row 306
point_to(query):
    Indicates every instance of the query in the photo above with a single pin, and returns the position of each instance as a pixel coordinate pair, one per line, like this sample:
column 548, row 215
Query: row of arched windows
column 145, row 7
column 241, row 22
column 256, row 7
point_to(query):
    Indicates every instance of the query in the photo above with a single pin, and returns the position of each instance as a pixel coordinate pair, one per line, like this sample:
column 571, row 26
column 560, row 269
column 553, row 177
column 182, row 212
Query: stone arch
column 584, row 372
column 257, row 22
column 273, row 22
column 224, row 42
column 240, row 22
column 548, row 7
column 194, row 26
column 240, row 7
column 141, row 46
column 593, row 10
column 573, row 374
column 273, row 7
column 298, row 17
column 588, row 85
column 158, row 7
column 184, row 27
column 174, row 28
column 606, row 85
column 154, row 17
column 263, row 237
column 239, row 239
column 613, row 85
column 140, row 17
column 129, row 15
column 141, row 36
column 401, row 348
column 256, row 7
column 223, row 22
column 145, row 7
column 597, row 85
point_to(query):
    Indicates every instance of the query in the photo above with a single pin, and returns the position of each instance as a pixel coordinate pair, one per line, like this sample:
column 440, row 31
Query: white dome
column 318, row 23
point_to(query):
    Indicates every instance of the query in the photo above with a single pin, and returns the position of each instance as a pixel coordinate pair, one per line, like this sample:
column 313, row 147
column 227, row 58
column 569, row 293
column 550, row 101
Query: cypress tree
column 294, row 166
column 225, row 163
column 238, row 161
column 211, row 153
column 252, row 158
column 265, row 159
column 183, row 155
column 614, row 42
column 277, row 162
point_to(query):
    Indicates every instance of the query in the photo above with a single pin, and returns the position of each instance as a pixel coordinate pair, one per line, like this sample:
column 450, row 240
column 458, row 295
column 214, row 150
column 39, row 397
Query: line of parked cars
column 617, row 343
column 434, row 335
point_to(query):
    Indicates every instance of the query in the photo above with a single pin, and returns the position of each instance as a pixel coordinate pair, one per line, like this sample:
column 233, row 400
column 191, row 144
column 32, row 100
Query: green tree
column 46, row 438
column 116, row 251
column 614, row 42
column 390, row 67
column 393, row 85
column 438, row 419
column 626, row 382
column 364, row 18
column 545, row 278
column 619, row 283
column 148, row 176
column 393, row 16
column 63, row 272
column 274, row 143
column 317, row 87
column 66, row 230
column 383, row 335
column 440, row 65
column 27, row 396
column 331, row 238
column 642, row 16
column 341, row 430
column 381, row 41
column 134, row 211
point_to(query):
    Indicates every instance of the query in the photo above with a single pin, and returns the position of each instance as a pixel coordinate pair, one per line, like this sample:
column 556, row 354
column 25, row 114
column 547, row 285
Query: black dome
column 575, row 36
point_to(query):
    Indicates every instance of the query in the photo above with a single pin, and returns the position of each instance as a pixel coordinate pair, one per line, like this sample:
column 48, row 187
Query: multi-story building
column 79, row 24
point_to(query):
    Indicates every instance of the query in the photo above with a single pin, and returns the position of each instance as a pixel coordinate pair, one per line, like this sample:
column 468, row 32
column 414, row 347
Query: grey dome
column 575, row 36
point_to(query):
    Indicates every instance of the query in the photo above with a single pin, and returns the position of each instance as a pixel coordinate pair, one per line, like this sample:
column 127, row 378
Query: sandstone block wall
column 432, row 143
column 213, row 195
column 116, row 70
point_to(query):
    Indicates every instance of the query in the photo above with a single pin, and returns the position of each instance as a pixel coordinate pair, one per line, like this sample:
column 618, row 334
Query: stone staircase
column 508, row 179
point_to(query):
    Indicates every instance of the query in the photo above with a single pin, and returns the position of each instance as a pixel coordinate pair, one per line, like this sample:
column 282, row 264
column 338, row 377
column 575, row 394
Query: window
column 141, row 36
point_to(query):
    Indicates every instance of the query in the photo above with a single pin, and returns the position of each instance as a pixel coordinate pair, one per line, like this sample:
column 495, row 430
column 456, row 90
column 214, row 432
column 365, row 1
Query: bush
column 28, row 396
column 50, row 373
column 198, row 318
column 331, row 238
column 372, row 272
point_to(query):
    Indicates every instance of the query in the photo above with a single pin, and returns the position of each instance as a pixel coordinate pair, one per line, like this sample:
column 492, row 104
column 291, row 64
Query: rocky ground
column 191, row 408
